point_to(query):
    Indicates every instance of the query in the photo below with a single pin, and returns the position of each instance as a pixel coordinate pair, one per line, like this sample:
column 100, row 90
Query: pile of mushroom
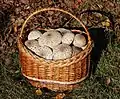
column 56, row 43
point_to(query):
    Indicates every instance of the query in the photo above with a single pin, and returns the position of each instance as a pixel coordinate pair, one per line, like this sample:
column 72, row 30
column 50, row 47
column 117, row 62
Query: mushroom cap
column 50, row 38
column 62, row 51
column 63, row 30
column 31, row 44
column 76, row 50
column 68, row 38
column 44, row 51
column 84, row 47
column 50, row 30
column 79, row 40
column 35, row 34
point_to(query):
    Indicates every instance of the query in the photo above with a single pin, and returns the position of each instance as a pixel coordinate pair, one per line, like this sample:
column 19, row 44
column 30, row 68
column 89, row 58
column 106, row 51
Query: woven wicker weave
column 55, row 75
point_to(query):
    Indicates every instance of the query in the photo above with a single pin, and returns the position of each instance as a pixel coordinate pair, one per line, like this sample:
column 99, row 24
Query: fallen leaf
column 75, row 6
column 49, row 2
column 17, row 11
column 8, row 61
column 106, row 23
column 50, row 12
column 15, row 28
column 79, row 1
column 38, row 91
column 108, row 81
column 10, row 40
column 25, row 1
column 60, row 96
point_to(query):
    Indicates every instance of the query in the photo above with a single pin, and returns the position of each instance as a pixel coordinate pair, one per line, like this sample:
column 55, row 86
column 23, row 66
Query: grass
column 14, row 86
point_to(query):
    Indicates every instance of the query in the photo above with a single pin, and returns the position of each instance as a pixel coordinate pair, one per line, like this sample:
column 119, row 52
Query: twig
column 67, row 22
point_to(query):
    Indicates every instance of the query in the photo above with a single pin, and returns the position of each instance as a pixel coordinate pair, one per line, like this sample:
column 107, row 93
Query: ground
column 102, row 17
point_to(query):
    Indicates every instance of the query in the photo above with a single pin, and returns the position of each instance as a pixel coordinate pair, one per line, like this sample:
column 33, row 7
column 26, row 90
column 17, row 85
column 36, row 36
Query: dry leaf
column 79, row 1
column 75, row 6
column 25, row 1
column 8, row 61
column 38, row 92
column 49, row 2
column 106, row 23
column 60, row 96
column 108, row 81
column 15, row 28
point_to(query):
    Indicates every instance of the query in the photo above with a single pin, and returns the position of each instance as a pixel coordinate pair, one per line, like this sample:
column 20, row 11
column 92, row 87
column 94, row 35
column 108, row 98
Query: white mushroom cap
column 45, row 52
column 50, row 30
column 79, row 40
column 62, row 51
column 68, row 38
column 31, row 44
column 50, row 38
column 76, row 50
column 84, row 47
column 63, row 30
column 35, row 34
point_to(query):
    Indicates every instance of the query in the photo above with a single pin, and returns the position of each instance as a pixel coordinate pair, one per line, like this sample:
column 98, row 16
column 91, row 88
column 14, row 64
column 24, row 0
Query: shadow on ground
column 100, row 38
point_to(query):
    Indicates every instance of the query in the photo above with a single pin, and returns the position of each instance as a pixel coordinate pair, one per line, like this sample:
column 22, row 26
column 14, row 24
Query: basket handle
column 54, row 9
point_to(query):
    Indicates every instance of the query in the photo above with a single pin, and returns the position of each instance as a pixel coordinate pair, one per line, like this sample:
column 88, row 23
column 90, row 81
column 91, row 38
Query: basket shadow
column 98, row 35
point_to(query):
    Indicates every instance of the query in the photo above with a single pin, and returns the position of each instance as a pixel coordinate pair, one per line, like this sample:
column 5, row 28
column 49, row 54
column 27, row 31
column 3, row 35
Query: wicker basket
column 55, row 75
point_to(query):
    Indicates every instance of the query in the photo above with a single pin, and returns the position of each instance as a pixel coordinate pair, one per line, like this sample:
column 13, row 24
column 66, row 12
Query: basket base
column 54, row 87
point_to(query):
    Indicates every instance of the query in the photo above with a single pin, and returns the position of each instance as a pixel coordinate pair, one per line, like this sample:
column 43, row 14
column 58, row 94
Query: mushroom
column 50, row 38
column 35, row 34
column 76, row 50
column 62, row 51
column 68, row 38
column 31, row 44
column 79, row 40
column 63, row 30
column 45, row 52
column 84, row 47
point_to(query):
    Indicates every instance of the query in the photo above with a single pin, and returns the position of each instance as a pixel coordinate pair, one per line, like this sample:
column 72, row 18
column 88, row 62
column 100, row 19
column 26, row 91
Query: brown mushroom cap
column 50, row 38
column 79, row 40
column 62, row 51
column 76, row 50
column 35, row 34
